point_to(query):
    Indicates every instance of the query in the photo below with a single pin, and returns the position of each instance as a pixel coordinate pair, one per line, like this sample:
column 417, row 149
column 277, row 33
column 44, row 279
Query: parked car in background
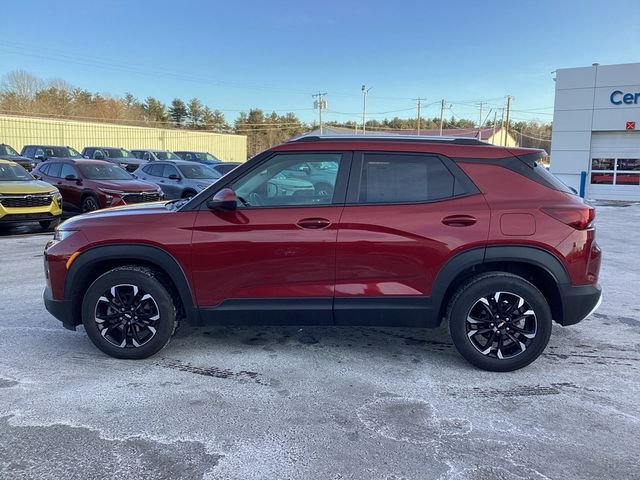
column 8, row 153
column 322, row 175
column 155, row 155
column 40, row 153
column 23, row 199
column 88, row 185
column 178, row 178
column 119, row 156
column 202, row 157
column 224, row 167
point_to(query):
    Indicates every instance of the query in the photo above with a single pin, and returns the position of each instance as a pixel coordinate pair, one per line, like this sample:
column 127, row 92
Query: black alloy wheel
column 126, row 316
column 130, row 312
column 499, row 321
column 89, row 204
column 501, row 325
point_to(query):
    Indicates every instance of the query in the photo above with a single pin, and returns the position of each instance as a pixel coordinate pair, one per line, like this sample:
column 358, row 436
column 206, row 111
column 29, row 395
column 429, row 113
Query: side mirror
column 40, row 157
column 174, row 176
column 71, row 178
column 224, row 200
column 98, row 157
column 306, row 169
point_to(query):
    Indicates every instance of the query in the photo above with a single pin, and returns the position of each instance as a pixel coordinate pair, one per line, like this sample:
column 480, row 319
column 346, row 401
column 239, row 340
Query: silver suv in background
column 151, row 155
column 177, row 178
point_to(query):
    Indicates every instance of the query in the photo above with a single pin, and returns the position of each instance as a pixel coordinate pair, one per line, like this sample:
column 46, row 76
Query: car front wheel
column 128, row 312
column 499, row 321
column 90, row 203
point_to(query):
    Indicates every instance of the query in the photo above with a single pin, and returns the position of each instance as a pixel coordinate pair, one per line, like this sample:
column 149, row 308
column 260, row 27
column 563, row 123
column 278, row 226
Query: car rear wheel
column 129, row 312
column 90, row 203
column 499, row 321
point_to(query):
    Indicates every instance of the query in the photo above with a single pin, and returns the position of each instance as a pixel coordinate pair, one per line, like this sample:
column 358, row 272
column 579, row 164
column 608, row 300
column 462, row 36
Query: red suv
column 88, row 185
column 416, row 231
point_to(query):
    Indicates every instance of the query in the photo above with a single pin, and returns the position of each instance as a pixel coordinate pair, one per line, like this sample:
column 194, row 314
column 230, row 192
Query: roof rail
column 390, row 138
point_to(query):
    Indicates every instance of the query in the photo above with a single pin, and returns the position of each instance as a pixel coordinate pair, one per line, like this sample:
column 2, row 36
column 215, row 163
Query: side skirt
column 400, row 311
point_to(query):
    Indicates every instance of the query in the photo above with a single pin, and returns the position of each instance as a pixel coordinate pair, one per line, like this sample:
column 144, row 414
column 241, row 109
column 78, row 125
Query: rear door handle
column 313, row 223
column 459, row 220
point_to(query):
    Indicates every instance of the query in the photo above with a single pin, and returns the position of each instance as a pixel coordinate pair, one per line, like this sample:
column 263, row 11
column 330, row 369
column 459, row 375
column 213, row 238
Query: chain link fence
column 20, row 131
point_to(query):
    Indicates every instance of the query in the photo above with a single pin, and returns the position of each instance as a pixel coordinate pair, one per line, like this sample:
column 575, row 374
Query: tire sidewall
column 471, row 293
column 164, row 326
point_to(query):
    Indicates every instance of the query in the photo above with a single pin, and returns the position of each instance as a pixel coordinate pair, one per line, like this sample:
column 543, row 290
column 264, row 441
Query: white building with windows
column 596, row 130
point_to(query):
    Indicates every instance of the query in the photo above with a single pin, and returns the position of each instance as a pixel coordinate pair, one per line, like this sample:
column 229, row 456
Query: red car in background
column 88, row 185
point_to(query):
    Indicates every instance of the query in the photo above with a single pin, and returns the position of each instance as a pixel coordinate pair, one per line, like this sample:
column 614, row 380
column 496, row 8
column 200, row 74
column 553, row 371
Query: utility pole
column 507, row 127
column 480, row 124
column 320, row 103
column 418, row 105
column 441, row 115
column 495, row 119
column 364, row 90
column 502, row 137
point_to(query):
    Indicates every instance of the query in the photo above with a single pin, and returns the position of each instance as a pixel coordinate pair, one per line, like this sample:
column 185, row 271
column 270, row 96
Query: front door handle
column 459, row 220
column 313, row 223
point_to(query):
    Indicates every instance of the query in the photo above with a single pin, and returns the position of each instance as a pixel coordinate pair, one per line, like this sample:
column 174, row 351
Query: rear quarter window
column 398, row 178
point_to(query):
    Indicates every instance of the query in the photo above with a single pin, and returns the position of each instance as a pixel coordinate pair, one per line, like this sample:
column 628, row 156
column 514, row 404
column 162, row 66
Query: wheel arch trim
column 149, row 254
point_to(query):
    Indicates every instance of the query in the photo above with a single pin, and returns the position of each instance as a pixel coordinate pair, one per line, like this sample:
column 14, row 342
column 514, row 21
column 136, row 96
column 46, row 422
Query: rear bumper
column 61, row 309
column 579, row 302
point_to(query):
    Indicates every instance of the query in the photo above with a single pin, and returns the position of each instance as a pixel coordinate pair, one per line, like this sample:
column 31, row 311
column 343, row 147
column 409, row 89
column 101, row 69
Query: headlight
column 57, row 196
column 60, row 235
column 112, row 192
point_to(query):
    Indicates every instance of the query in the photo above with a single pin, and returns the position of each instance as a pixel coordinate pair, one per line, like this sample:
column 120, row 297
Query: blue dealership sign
column 618, row 97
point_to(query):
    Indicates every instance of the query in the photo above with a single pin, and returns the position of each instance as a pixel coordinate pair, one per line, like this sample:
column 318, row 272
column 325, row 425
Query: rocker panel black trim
column 270, row 311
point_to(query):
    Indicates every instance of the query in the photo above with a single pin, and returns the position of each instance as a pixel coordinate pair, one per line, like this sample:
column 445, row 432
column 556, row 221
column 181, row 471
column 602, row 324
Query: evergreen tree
column 178, row 112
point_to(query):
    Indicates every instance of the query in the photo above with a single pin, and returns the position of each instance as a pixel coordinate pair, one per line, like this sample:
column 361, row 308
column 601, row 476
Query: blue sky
column 274, row 54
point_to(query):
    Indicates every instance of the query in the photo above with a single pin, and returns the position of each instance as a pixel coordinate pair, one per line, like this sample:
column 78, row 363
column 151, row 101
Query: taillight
column 580, row 217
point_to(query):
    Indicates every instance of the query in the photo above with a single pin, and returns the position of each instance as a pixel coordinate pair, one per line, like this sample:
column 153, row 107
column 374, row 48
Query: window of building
column 615, row 171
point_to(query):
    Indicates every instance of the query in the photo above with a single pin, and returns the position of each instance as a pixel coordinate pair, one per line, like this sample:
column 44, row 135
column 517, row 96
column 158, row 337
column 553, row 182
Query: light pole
column 364, row 90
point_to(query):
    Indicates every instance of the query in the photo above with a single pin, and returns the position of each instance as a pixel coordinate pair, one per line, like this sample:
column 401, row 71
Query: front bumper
column 61, row 309
column 29, row 214
column 578, row 302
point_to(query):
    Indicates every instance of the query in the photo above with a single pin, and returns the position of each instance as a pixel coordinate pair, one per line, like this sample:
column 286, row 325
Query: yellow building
column 19, row 131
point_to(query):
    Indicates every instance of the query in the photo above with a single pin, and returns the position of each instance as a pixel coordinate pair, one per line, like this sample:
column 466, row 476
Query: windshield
column 207, row 156
column 60, row 152
column 96, row 171
column 117, row 153
column 166, row 155
column 198, row 171
column 7, row 150
column 13, row 173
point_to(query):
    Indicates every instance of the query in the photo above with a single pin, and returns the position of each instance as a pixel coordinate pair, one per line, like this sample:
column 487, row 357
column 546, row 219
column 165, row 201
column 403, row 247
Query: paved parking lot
column 365, row 403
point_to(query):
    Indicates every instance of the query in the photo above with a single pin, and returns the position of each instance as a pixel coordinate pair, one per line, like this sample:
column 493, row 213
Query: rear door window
column 54, row 170
column 67, row 170
column 403, row 178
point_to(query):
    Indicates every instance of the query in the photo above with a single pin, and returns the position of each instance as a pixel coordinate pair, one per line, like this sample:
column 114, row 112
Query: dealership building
column 595, row 144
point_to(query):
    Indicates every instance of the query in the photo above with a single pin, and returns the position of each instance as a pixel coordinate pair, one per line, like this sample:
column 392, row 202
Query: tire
column 324, row 189
column 506, row 342
column 129, row 312
column 90, row 203
column 188, row 194
column 49, row 225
